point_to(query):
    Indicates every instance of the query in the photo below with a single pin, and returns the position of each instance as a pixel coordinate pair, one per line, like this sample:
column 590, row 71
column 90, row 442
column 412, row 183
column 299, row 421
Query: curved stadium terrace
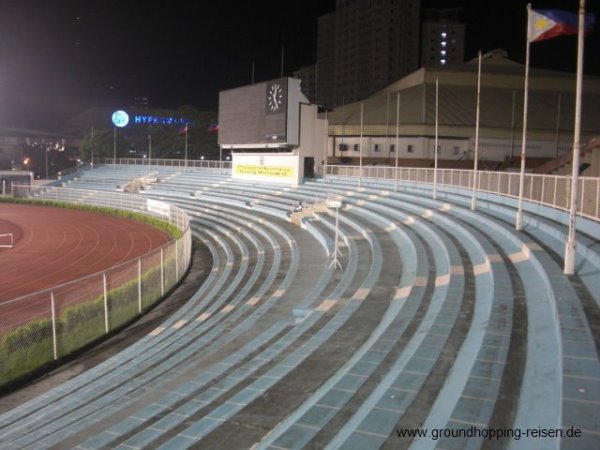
column 441, row 319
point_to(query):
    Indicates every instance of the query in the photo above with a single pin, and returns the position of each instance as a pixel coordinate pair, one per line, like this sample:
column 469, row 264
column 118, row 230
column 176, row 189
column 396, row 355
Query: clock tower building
column 272, row 131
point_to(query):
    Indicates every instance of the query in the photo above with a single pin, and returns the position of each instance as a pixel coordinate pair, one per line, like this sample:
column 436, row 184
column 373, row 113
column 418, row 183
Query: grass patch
column 30, row 346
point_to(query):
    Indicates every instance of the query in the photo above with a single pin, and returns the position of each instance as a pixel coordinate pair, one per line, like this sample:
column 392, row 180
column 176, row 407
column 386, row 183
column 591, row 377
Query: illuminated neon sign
column 157, row 120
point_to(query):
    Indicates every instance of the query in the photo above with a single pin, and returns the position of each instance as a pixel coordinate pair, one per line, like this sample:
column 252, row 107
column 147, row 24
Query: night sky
column 60, row 57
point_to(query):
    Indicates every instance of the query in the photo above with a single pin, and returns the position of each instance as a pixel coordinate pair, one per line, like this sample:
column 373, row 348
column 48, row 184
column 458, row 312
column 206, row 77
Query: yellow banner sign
column 264, row 171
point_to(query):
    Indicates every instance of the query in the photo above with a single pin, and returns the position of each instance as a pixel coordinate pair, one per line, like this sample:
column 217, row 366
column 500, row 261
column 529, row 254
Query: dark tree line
column 167, row 141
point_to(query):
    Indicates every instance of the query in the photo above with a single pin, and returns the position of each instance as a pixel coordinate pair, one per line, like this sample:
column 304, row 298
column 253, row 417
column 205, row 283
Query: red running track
column 55, row 245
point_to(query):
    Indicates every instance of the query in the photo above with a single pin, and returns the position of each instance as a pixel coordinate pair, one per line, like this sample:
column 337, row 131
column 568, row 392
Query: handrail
column 548, row 190
column 190, row 163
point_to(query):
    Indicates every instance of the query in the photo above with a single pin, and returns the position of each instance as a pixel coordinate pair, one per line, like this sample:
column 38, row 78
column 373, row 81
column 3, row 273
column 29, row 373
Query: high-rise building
column 442, row 38
column 363, row 46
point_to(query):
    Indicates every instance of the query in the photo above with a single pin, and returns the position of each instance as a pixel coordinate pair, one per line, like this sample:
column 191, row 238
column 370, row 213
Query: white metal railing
column 38, row 328
column 193, row 163
column 549, row 190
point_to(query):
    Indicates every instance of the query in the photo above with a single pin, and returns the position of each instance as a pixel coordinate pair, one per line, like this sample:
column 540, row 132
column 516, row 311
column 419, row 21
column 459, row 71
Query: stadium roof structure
column 551, row 102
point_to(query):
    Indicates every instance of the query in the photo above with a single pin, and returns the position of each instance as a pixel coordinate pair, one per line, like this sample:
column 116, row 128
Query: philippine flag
column 549, row 23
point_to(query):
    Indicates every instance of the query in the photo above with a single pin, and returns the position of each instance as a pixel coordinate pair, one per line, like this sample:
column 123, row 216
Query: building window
column 455, row 150
column 343, row 147
column 356, row 148
column 376, row 147
column 409, row 148
column 392, row 148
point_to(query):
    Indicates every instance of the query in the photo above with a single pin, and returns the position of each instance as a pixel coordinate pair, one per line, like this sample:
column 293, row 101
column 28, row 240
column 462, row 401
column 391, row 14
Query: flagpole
column 519, row 219
column 570, row 255
column 149, row 145
column 360, row 147
column 435, row 143
column 397, row 135
column 474, row 198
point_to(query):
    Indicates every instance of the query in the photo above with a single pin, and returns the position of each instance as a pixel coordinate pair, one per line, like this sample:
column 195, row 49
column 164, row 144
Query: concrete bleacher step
column 441, row 317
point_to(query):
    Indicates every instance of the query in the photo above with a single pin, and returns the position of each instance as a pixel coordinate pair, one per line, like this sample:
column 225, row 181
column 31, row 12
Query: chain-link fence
column 550, row 190
column 41, row 327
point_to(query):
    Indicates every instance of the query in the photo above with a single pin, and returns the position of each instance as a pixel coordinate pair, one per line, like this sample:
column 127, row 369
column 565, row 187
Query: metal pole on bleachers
column 360, row 147
column 325, row 146
column 476, row 156
column 397, row 139
column 435, row 142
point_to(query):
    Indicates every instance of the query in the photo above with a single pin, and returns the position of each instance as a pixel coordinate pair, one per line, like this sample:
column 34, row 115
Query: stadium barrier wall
column 41, row 327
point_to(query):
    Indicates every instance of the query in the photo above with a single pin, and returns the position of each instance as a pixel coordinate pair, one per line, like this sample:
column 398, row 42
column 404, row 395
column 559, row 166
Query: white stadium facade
column 550, row 117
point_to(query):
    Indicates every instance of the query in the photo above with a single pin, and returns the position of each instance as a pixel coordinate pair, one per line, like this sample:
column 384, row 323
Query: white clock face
column 275, row 97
